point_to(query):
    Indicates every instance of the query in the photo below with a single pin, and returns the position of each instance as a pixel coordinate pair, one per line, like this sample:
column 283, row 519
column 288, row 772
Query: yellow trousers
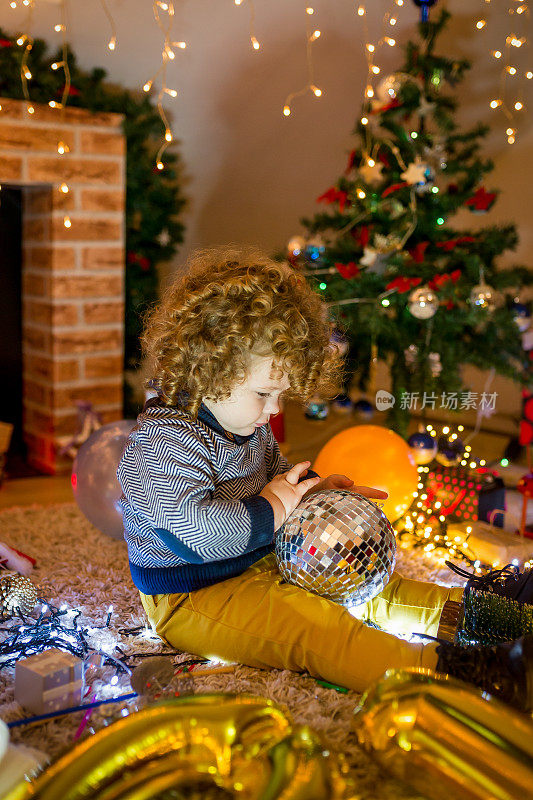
column 258, row 620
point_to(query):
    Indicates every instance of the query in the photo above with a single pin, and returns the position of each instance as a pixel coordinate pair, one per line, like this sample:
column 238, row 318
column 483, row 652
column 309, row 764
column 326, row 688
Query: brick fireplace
column 72, row 277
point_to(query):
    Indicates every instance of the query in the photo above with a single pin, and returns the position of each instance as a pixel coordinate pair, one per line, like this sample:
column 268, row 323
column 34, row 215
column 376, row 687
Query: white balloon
column 94, row 477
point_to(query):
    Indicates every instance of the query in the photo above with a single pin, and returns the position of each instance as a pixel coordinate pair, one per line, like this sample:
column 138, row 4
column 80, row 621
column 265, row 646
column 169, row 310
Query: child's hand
column 284, row 492
column 342, row 482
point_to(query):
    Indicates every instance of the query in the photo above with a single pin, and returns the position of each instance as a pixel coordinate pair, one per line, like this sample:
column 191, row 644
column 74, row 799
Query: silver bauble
column 339, row 545
column 388, row 88
column 423, row 302
column 483, row 296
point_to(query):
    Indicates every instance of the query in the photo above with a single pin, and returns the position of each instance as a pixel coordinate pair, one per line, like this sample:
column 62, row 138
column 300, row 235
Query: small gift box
column 49, row 681
column 489, row 544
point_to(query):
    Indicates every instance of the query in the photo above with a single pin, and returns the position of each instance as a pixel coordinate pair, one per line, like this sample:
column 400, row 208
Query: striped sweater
column 191, row 507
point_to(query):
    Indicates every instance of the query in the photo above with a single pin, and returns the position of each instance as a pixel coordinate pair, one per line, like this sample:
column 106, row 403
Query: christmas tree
column 404, row 285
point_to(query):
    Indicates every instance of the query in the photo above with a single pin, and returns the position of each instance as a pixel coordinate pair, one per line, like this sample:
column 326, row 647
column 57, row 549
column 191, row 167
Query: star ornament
column 415, row 172
column 371, row 172
column 369, row 256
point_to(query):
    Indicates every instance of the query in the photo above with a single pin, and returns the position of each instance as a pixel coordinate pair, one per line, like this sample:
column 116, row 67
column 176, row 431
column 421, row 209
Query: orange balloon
column 373, row 456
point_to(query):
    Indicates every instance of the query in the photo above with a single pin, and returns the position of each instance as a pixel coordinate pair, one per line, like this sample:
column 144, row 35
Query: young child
column 205, row 488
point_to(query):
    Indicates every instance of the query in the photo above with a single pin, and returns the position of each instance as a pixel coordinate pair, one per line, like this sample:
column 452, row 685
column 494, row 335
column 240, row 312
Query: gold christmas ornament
column 338, row 545
column 17, row 595
column 239, row 745
column 445, row 738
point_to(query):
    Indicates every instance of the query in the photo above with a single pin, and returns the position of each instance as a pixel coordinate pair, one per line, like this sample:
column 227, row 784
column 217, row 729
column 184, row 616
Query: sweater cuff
column 262, row 517
column 309, row 474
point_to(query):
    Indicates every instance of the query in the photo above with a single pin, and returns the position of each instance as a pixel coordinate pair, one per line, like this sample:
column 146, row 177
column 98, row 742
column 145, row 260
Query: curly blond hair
column 230, row 303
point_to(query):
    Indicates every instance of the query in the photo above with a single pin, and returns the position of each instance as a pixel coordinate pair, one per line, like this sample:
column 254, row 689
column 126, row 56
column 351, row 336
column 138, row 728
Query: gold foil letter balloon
column 338, row 545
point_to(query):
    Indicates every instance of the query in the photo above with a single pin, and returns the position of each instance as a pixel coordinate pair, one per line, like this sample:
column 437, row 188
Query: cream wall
column 249, row 172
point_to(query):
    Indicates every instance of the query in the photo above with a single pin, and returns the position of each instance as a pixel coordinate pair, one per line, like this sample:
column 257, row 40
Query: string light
column 167, row 54
column 113, row 40
column 253, row 40
column 311, row 37
column 510, row 68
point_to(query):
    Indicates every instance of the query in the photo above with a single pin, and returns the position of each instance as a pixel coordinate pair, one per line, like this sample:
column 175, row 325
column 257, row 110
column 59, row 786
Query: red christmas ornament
column 451, row 243
column 481, row 200
column 525, row 436
column 393, row 188
column 334, row 195
column 6, row 43
column 351, row 162
column 525, row 485
column 348, row 271
column 417, row 252
column 403, row 284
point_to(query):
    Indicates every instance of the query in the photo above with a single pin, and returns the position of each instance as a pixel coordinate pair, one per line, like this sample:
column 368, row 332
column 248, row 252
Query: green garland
column 153, row 197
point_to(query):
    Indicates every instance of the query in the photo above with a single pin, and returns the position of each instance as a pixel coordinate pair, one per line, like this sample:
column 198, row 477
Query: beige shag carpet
column 86, row 570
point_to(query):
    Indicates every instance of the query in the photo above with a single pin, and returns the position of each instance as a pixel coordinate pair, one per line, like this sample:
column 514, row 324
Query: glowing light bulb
column 309, row 10
column 364, row 120
column 390, row 42
column 170, row 53
column 495, row 103
column 168, row 136
column 59, row 28
column 393, row 21
column 286, row 111
column 27, row 74
column 63, row 188
column 171, row 92
column 316, row 91
column 480, row 24
column 56, row 65
column 370, row 48
column 160, row 165
column 376, row 70
column 21, row 40
column 67, row 222
column 511, row 70
column 518, row 106
column 53, row 104
column 361, row 11
column 371, row 162
column 30, row 110
column 360, row 194
column 497, row 53
column 509, row 131
column 511, row 140
column 181, row 45
column 62, row 148
column 369, row 91
column 13, row 4
column 147, row 86
column 112, row 43
column 255, row 43
column 399, row 3
column 314, row 36
column 529, row 75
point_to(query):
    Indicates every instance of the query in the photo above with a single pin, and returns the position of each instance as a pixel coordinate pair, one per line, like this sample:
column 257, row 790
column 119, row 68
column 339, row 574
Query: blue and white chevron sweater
column 191, row 506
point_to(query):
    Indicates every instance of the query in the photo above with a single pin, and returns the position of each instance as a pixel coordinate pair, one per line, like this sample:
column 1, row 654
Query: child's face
column 252, row 402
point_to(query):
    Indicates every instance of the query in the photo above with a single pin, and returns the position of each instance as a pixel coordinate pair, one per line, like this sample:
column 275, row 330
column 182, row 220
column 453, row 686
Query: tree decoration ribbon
column 334, row 195
column 403, row 284
column 449, row 244
column 239, row 745
column 446, row 738
column 441, row 280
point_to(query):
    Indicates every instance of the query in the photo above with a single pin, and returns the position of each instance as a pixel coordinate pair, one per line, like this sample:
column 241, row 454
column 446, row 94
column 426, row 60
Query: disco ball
column 339, row 545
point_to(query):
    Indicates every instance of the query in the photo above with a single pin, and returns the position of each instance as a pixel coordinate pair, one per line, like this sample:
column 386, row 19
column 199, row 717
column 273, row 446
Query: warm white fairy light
column 167, row 54
column 509, row 67
column 311, row 37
